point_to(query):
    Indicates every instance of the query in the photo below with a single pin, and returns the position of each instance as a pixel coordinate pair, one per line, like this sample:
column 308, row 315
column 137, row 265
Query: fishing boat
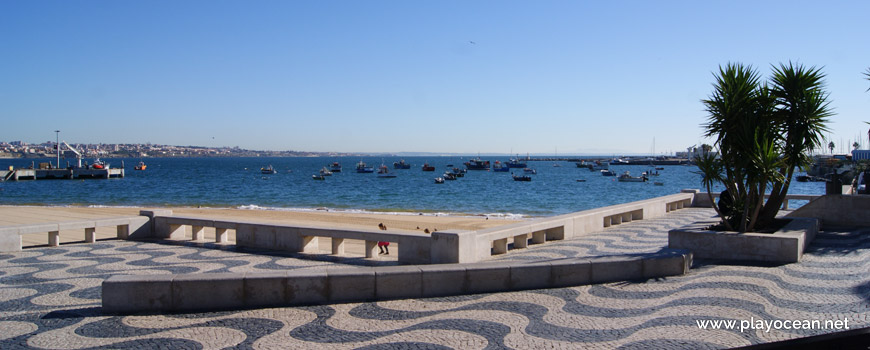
column 427, row 167
column 401, row 165
column 516, row 163
column 99, row 164
column 268, row 170
column 626, row 177
column 449, row 176
column 384, row 172
column 335, row 167
column 530, row 171
column 521, row 177
column 361, row 167
column 598, row 165
column 477, row 164
column 501, row 167
column 439, row 180
column 607, row 172
column 325, row 172
column 318, row 177
column 140, row 166
column 459, row 172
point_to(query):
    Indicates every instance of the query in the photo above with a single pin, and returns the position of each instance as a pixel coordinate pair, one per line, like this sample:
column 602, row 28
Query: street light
column 57, row 146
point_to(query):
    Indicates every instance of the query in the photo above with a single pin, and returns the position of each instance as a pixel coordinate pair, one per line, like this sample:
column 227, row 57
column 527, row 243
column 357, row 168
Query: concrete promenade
column 50, row 298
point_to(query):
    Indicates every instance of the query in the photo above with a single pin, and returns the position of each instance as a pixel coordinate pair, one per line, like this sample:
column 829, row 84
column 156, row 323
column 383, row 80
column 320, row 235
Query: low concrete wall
column 702, row 199
column 837, row 210
column 128, row 226
column 786, row 245
column 223, row 291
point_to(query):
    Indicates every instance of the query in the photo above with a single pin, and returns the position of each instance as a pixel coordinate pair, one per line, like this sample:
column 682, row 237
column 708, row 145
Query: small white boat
column 325, row 172
column 318, row 177
column 439, row 180
column 626, row 177
column 607, row 172
column 530, row 171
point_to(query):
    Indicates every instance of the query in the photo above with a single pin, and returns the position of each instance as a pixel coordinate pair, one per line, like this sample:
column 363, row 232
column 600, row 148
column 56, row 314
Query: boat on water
column 459, row 172
column 140, row 166
column 268, row 170
column 477, row 164
column 99, row 164
column 427, row 167
column 361, row 167
column 325, row 172
column 318, row 177
column 530, row 171
column 626, row 177
column 809, row 178
column 516, row 163
column 598, row 165
column 335, row 167
column 581, row 180
column 499, row 166
column 607, row 172
column 401, row 165
column 439, row 180
column 449, row 176
column 521, row 177
column 384, row 172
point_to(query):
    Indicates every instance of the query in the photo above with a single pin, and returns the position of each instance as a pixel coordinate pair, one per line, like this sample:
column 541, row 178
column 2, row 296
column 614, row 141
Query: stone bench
column 226, row 291
column 10, row 236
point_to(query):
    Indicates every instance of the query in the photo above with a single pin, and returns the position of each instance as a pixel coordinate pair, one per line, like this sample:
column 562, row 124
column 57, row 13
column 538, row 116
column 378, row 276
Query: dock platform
column 67, row 173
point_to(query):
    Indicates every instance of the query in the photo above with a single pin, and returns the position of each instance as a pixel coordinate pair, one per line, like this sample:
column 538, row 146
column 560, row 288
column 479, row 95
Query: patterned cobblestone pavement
column 50, row 298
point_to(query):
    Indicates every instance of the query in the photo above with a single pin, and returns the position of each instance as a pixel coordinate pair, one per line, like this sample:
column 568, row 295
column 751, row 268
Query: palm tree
column 763, row 133
column 831, row 146
column 855, row 145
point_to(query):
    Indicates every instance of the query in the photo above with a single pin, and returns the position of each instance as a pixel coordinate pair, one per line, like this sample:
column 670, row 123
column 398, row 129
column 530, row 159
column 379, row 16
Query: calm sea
column 238, row 183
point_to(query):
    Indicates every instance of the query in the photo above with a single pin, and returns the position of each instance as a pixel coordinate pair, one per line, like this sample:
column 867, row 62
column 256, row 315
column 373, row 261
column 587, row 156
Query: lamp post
column 57, row 146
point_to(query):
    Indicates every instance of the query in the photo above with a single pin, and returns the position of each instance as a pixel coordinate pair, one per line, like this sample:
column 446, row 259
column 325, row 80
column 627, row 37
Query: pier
column 66, row 173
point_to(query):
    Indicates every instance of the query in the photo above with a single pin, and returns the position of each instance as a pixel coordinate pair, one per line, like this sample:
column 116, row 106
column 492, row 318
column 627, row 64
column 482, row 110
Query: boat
column 521, row 177
column 427, row 167
column 459, row 172
column 626, row 177
column 607, row 172
column 140, row 166
column 581, row 180
column 335, row 167
column 598, row 165
column 530, row 171
column 99, row 164
column 808, row 178
column 477, row 164
column 449, row 176
column 401, row 165
column 439, row 180
column 318, row 177
column 499, row 166
column 268, row 170
column 325, row 172
column 384, row 172
column 361, row 167
column 516, row 163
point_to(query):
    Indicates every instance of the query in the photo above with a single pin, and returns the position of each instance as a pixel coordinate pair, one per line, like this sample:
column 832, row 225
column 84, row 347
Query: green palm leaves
column 763, row 131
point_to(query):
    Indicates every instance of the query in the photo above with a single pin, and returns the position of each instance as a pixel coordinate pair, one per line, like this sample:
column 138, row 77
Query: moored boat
column 268, row 170
column 499, row 166
column 335, row 167
column 439, row 180
column 626, row 177
column 99, row 164
column 325, row 172
column 530, row 171
column 384, row 172
column 477, row 164
column 516, row 163
column 607, row 172
column 427, row 167
column 361, row 167
column 401, row 165
column 521, row 177
column 140, row 166
column 318, row 177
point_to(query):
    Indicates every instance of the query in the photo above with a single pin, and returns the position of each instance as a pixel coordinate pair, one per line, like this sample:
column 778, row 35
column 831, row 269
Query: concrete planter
column 786, row 245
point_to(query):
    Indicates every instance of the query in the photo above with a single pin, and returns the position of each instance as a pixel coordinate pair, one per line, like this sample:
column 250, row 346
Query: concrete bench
column 10, row 236
column 225, row 291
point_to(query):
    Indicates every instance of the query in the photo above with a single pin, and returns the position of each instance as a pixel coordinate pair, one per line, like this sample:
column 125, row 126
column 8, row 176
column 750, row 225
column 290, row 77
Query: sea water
column 238, row 183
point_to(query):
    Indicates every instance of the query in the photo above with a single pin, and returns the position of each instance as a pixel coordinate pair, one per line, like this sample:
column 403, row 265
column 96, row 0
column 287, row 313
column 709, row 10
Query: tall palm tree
column 831, row 146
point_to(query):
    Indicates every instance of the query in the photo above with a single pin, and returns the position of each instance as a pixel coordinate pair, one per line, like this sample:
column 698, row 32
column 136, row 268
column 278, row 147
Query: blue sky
column 580, row 77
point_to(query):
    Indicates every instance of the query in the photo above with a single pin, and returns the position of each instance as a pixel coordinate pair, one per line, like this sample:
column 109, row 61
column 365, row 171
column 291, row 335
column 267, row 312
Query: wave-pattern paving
column 50, row 298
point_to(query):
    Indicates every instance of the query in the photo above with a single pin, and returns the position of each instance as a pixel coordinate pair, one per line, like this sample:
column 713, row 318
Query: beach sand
column 21, row 215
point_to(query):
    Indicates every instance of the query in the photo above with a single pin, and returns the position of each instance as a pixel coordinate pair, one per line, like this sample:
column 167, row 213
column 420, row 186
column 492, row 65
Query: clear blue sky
column 386, row 76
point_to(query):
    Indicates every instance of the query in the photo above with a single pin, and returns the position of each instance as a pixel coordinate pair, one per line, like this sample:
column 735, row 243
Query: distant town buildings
column 20, row 149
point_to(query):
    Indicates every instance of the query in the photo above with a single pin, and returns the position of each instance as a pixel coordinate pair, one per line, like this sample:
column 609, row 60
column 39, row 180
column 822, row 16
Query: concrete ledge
column 222, row 291
column 786, row 245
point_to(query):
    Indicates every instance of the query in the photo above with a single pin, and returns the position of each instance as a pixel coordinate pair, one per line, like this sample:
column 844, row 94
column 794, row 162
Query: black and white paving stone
column 50, row 299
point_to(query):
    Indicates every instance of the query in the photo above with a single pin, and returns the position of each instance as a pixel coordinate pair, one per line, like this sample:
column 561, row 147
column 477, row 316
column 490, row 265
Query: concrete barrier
column 10, row 236
column 785, row 245
column 224, row 291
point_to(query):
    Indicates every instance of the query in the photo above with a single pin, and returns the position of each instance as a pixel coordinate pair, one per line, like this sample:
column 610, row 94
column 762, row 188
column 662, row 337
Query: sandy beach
column 21, row 215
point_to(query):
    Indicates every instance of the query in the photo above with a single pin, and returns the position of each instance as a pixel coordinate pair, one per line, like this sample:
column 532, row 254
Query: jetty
column 47, row 173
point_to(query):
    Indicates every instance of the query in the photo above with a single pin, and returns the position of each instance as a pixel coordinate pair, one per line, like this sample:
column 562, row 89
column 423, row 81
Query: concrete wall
column 837, row 210
column 222, row 291
column 785, row 246
column 10, row 236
